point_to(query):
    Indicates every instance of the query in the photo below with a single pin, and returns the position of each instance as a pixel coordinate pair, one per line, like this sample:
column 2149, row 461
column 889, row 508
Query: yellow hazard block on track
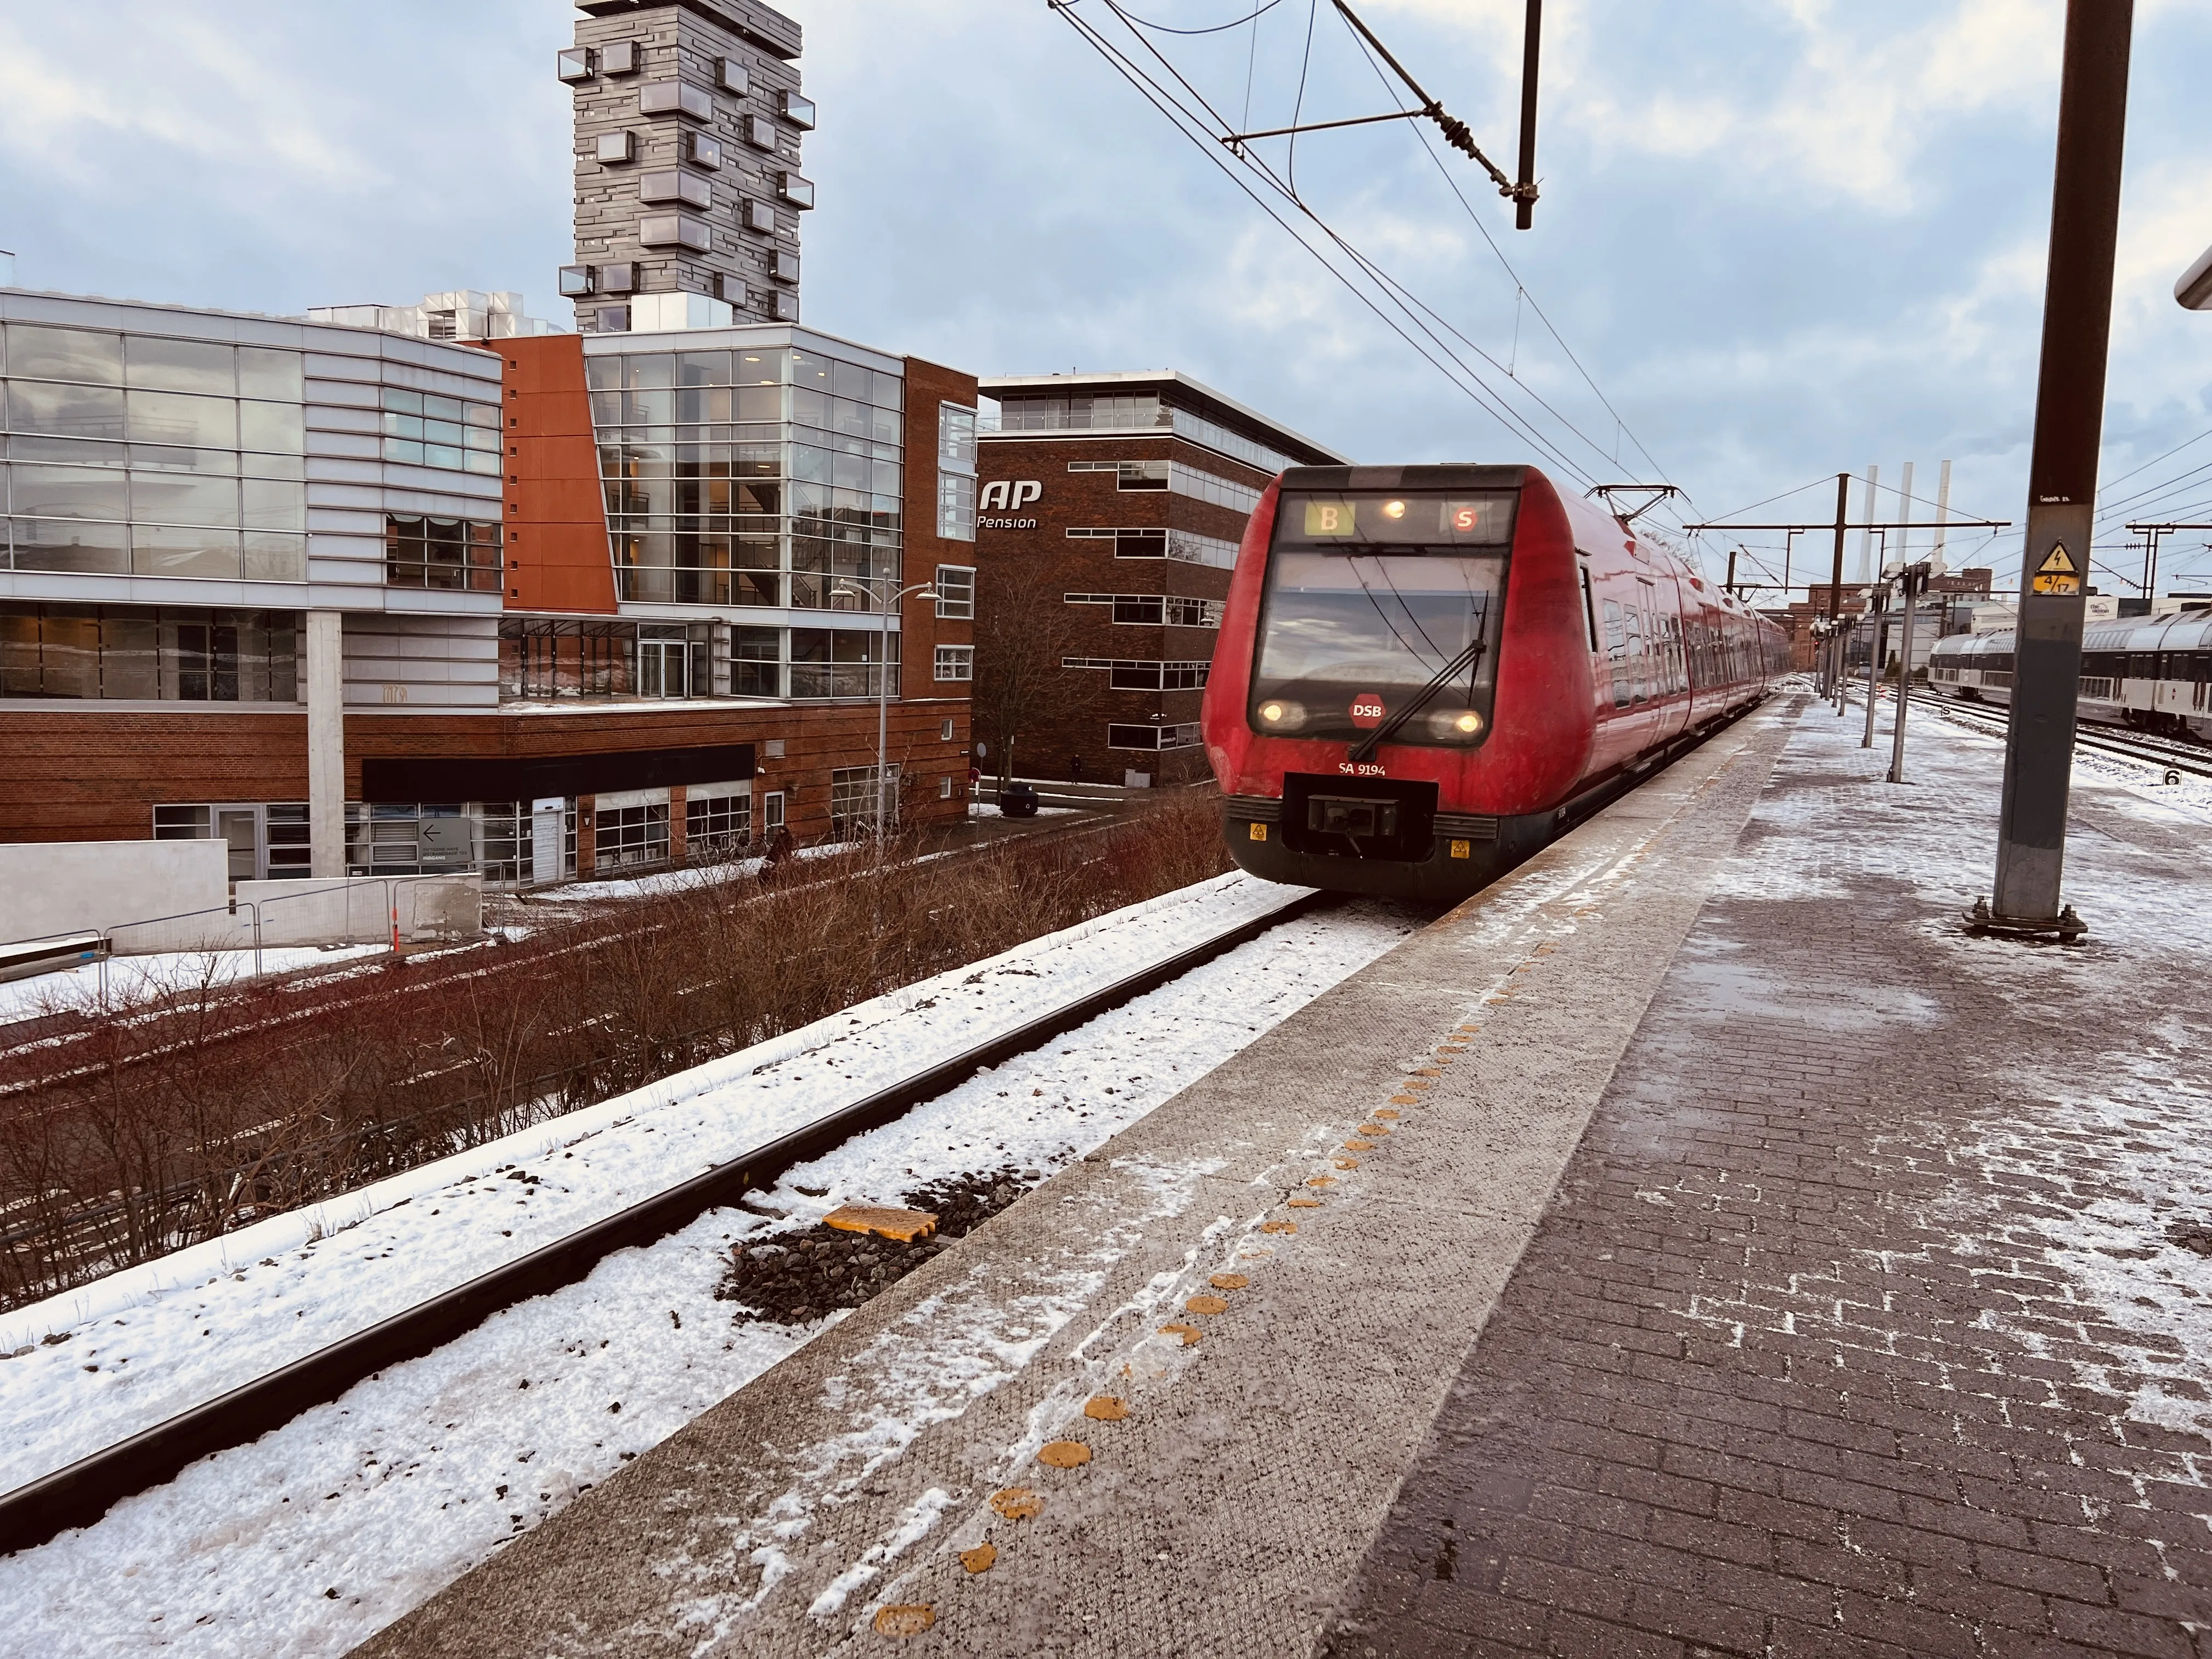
column 904, row 1225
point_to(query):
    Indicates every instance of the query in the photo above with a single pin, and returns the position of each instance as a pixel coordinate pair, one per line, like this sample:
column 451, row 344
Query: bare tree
column 1023, row 630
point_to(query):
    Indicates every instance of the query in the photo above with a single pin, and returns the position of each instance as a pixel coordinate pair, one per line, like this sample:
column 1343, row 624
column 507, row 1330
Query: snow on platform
column 388, row 1493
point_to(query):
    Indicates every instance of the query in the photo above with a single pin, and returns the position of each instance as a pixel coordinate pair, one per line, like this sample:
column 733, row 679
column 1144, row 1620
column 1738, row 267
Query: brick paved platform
column 1745, row 1261
column 1866, row 1320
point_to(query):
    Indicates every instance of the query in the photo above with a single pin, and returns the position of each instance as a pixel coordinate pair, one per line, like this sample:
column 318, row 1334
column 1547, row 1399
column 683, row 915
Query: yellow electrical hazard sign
column 1259, row 832
column 2057, row 574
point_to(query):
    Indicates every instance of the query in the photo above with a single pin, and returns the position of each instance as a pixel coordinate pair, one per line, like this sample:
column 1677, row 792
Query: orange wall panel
column 557, row 545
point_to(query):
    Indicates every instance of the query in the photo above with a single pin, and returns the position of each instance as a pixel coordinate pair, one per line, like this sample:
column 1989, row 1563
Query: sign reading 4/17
column 2057, row 574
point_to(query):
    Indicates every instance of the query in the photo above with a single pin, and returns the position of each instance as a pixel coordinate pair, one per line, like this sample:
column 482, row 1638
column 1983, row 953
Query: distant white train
column 2151, row 672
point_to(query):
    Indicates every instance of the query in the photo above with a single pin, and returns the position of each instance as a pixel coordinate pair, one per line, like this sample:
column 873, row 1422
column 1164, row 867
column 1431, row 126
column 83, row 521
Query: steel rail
column 80, row 1493
column 2151, row 751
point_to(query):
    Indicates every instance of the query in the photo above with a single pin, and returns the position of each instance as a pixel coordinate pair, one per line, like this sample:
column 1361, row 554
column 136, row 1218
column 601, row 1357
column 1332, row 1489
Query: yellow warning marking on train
column 904, row 1620
column 1064, row 1454
column 981, row 1559
column 1460, row 849
column 1018, row 1504
column 1259, row 832
column 1105, row 1409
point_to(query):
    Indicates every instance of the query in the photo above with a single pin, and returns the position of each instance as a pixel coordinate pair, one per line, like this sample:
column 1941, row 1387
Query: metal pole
column 883, row 726
column 2062, row 488
column 1524, row 199
column 1874, row 660
column 1836, row 576
column 1868, row 571
column 1904, row 690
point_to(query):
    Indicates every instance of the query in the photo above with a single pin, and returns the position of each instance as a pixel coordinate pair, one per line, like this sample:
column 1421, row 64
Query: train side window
column 1590, row 611
column 1616, row 652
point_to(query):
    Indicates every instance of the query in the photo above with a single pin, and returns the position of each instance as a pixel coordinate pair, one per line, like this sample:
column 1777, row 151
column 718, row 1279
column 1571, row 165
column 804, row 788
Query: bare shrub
column 195, row 1105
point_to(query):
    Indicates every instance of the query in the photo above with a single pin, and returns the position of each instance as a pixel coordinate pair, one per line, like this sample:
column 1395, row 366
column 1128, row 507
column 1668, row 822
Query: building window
column 1128, row 475
column 798, row 110
column 945, row 788
column 759, row 215
column 447, row 553
column 843, row 663
column 1023, row 414
column 702, row 149
column 757, row 662
column 1185, row 736
column 956, row 472
column 423, row 429
column 673, row 184
column 619, row 57
column 718, row 821
column 148, row 654
column 854, row 798
column 1130, row 675
column 956, row 592
column 674, row 230
column 631, row 837
column 575, row 64
column 733, row 76
column 675, row 97
column 575, row 281
column 798, row 191
column 944, row 731
column 956, row 662
column 611, row 148
column 760, row 132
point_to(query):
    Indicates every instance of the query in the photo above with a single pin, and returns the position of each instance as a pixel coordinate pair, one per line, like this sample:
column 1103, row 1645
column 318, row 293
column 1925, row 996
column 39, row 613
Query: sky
column 1780, row 241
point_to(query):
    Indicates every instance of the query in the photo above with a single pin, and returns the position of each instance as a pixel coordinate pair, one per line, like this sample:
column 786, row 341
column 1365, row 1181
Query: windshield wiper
column 1451, row 670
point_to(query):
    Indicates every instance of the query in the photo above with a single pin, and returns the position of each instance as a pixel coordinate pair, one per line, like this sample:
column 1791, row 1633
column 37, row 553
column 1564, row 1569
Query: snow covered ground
column 129, row 978
column 325, row 1530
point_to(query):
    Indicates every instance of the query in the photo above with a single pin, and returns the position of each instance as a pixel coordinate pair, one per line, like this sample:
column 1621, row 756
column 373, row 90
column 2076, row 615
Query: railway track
column 80, row 1493
column 2193, row 758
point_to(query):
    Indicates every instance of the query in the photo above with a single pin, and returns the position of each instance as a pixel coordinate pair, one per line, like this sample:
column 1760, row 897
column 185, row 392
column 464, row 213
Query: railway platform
column 1695, row 1243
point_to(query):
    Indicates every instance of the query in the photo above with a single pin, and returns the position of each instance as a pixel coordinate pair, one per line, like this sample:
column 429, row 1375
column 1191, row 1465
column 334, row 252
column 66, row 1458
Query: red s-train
column 1427, row 672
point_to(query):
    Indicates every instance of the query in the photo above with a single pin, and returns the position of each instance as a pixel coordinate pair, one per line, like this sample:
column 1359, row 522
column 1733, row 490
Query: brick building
column 355, row 601
column 1113, row 504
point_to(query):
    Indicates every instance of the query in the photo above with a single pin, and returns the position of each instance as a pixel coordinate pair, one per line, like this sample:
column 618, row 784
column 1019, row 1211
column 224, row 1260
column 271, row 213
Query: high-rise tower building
column 689, row 117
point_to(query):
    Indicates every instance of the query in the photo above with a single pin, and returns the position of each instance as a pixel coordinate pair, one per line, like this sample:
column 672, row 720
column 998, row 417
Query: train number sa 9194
column 1362, row 769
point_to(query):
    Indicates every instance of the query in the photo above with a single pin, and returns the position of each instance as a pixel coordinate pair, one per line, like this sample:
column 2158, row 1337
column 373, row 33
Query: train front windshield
column 1375, row 602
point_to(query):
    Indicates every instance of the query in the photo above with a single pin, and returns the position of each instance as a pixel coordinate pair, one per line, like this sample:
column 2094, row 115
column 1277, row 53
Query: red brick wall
column 921, row 630
column 1091, row 500
column 76, row 776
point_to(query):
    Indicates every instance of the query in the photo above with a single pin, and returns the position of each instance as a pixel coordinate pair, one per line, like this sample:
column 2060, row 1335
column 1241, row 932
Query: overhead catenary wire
column 1215, row 28
column 1199, row 122
column 1193, row 129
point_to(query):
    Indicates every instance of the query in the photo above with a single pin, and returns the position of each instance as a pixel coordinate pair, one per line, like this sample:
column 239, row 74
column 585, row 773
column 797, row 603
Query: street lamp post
column 926, row 590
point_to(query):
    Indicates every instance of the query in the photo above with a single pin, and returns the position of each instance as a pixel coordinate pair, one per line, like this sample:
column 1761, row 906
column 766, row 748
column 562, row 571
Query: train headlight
column 1281, row 714
column 1460, row 725
column 1394, row 509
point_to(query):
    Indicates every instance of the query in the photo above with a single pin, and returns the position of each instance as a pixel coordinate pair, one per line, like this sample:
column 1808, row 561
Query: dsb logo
column 1005, row 495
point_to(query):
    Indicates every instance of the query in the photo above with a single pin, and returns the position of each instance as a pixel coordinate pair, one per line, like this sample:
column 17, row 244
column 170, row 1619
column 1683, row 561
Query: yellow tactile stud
column 1347, row 1163
column 1386, row 1111
column 1373, row 1128
column 1018, row 1504
column 1280, row 1226
column 1228, row 1281
column 1359, row 1146
column 1190, row 1335
column 1321, row 1181
column 1405, row 1100
column 1064, row 1454
column 981, row 1559
column 909, row 1620
column 1303, row 1203
column 1205, row 1304
column 1105, row 1409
